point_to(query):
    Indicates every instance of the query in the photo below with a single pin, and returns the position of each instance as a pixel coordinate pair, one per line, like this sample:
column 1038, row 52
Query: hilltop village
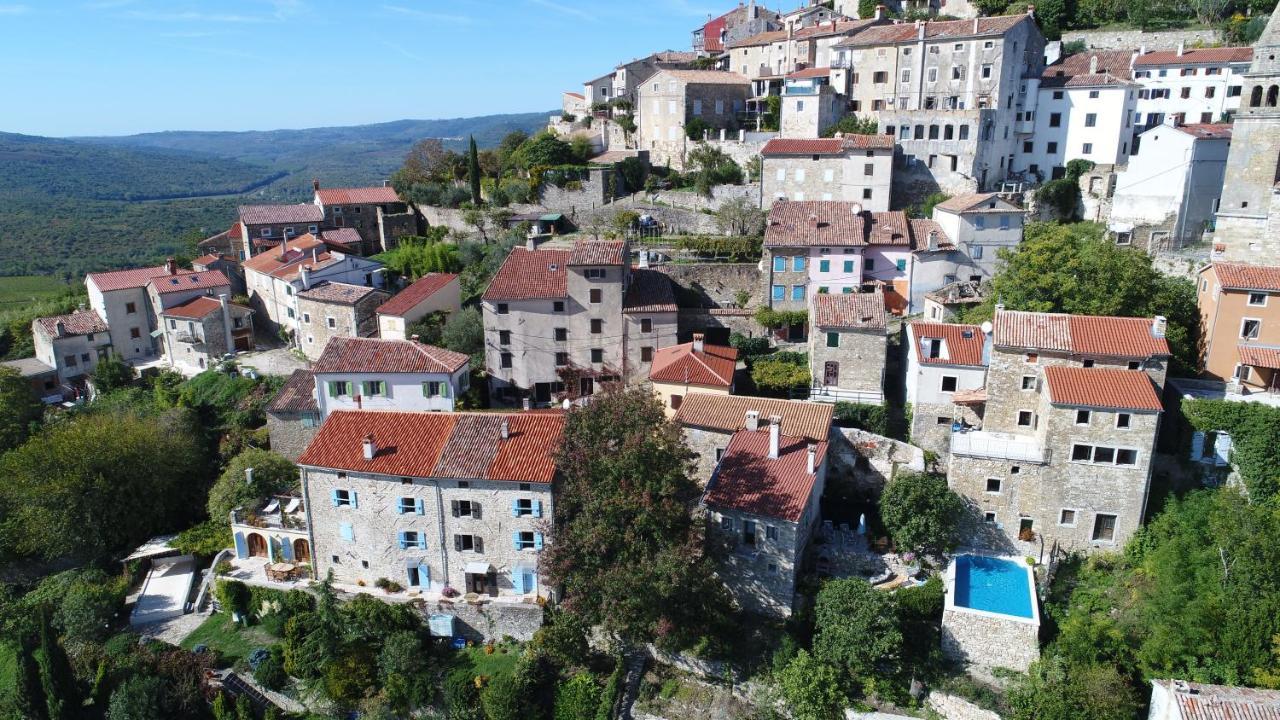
column 853, row 361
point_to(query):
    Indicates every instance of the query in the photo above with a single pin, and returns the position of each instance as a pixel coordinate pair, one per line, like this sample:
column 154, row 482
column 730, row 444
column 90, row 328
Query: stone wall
column 952, row 707
column 289, row 434
column 741, row 146
column 720, row 194
column 859, row 358
column 589, row 193
column 489, row 621
column 701, row 320
column 1135, row 39
column 871, row 459
column 985, row 642
column 714, row 285
column 452, row 217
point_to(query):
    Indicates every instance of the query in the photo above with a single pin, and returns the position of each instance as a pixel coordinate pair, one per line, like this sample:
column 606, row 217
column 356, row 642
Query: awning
column 1266, row 357
column 551, row 217
column 969, row 397
column 157, row 333
column 478, row 568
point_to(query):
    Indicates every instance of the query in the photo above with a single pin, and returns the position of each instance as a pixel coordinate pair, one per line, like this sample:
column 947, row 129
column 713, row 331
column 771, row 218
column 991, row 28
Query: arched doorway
column 257, row 545
column 301, row 551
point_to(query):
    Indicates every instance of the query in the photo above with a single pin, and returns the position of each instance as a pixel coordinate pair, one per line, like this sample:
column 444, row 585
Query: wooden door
column 831, row 373
column 257, row 545
column 301, row 551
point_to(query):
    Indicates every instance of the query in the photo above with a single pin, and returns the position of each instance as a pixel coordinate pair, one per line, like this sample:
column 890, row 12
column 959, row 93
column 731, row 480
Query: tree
column 404, row 667
column 112, row 373
column 543, row 149
column 627, row 550
column 88, row 610
column 273, row 474
column 1054, row 690
column 473, row 170
column 313, row 640
column 853, row 125
column 781, row 372
column 921, row 513
column 20, row 409
column 464, row 332
column 578, row 699
column 740, row 217
column 140, row 697
column 425, row 163
column 416, row 256
column 27, row 698
column 710, row 166
column 867, row 9
column 696, row 129
column 855, row 629
column 811, row 689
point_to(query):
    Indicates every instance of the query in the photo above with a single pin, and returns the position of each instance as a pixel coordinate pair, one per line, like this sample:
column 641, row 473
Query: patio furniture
column 281, row 572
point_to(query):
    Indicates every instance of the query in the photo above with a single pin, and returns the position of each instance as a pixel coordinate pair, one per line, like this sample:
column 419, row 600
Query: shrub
column 204, row 540
column 855, row 628
column 388, row 586
column 921, row 513
column 234, row 596
column 578, row 699
column 269, row 670
column 461, row 697
column 872, row 418
column 696, row 129
column 750, row 347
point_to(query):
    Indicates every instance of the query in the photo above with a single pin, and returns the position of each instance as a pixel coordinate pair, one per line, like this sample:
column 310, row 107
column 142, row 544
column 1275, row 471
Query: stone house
column 972, row 230
column 336, row 309
column 72, row 344
column 695, row 366
column 763, row 503
column 227, row 265
column 946, row 374
column 436, row 502
column 379, row 215
column 943, row 304
column 263, row 227
column 356, row 373
column 1071, row 410
column 431, row 293
column 1196, row 86
column 1167, row 195
column 848, row 347
column 708, row 422
column 276, row 530
column 671, row 98
column 714, row 36
column 121, row 299
column 810, row 104
column 198, row 333
column 851, row 168
column 559, row 321
column 41, row 377
column 1183, row 700
column 1240, row 324
column 293, row 416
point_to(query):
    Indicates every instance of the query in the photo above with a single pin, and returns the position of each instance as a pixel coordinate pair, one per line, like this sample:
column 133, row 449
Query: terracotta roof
column 530, row 275
column 934, row 30
column 274, row 214
column 338, row 292
column 342, row 237
column 1075, row 70
column 713, row 366
column 826, row 146
column 1207, row 131
column 126, row 279
column 449, row 445
column 1257, row 356
column 421, row 289
column 1199, row 701
column 80, row 322
column 920, row 229
column 708, row 77
column 806, row 223
column 357, row 196
column 727, row 413
column 206, row 260
column 962, row 343
column 598, row 252
column 748, row 480
column 361, row 355
column 182, row 282
column 1101, row 388
column 970, row 201
column 298, row 394
column 858, row 311
column 610, row 157
column 275, row 259
column 193, row 309
column 1239, row 276
column 650, row 291
column 824, row 29
column 815, row 72
column 577, row 95
column 1078, row 334
column 1201, row 56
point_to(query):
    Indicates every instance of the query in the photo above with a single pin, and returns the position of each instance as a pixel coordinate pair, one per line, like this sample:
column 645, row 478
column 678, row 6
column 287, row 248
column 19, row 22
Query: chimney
column 226, row 322
column 644, row 258
column 933, row 241
column 80, row 307
column 975, row 26
column 171, row 266
column 775, row 436
column 920, row 29
column 1182, row 47
column 386, row 183
column 813, row 220
column 856, row 208
column 248, row 476
column 813, row 458
column 527, row 404
column 304, row 273
column 370, row 447
column 880, row 10
column 315, row 254
column 1158, row 325
column 59, row 328
column 1093, row 65
column 790, row 30
column 753, row 420
column 506, row 429
column 315, row 184
column 530, row 243
column 697, row 342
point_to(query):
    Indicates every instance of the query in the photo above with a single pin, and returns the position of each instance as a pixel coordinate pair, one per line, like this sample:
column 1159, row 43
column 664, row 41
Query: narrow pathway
column 634, row 661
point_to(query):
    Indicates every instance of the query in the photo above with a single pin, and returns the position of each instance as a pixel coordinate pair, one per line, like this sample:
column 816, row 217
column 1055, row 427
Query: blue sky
column 113, row 67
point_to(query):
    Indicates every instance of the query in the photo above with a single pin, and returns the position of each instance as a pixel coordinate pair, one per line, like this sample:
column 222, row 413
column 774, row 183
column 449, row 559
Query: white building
column 851, row 168
column 974, row 229
column 1189, row 86
column 944, row 363
column 1169, row 193
column 274, row 276
column 357, row 373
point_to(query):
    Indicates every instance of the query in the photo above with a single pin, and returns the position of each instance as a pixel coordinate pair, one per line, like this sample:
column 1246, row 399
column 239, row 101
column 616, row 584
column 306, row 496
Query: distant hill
column 68, row 206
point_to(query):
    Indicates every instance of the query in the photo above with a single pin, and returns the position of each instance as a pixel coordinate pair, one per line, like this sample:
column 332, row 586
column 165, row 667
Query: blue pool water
column 993, row 585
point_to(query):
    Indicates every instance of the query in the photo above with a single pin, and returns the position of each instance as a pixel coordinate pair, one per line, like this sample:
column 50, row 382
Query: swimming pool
column 993, row 585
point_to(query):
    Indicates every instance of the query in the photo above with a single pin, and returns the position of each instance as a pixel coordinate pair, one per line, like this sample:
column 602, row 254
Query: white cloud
column 427, row 15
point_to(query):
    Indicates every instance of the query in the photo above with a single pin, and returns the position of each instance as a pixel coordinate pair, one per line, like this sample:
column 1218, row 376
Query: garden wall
column 871, row 459
column 1135, row 39
column 714, row 285
column 489, row 621
column 952, row 707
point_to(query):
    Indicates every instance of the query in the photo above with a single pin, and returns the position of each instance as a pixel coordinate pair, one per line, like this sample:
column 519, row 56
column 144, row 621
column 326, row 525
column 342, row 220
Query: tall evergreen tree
column 61, row 694
column 28, row 694
column 473, row 171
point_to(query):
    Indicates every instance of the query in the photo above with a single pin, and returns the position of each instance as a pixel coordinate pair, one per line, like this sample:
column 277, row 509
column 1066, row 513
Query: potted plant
column 911, row 562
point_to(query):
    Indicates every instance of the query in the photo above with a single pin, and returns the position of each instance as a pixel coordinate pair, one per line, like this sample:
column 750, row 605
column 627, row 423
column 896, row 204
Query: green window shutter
column 333, row 389
column 833, row 339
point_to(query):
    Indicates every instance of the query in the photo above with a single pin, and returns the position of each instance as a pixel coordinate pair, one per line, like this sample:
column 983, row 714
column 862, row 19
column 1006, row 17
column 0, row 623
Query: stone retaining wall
column 952, row 707
column 985, row 642
column 490, row 621
column 714, row 285
column 871, row 459
column 1135, row 39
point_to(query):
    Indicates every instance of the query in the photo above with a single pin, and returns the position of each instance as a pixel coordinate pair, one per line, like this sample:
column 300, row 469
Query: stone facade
column 196, row 343
column 808, row 108
column 988, row 641
column 762, row 577
column 322, row 319
column 72, row 354
column 848, row 364
column 1130, row 39
column 291, row 432
column 713, row 285
column 871, row 460
column 670, row 98
column 484, row 622
column 859, row 175
column 953, row 707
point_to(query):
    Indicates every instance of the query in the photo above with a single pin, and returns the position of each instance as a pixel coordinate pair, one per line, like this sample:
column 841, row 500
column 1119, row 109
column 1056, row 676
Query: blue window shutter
column 515, row 540
column 1197, row 445
column 333, row 497
column 424, row 573
column 354, row 501
column 515, row 508
column 422, row 508
column 537, row 508
column 537, row 541
column 346, row 531
column 422, row 541
column 404, row 540
column 286, row 549
column 398, row 504
column 517, row 579
column 242, row 550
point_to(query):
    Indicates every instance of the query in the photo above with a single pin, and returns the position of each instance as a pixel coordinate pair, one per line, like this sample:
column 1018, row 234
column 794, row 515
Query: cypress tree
column 473, row 171
column 28, row 695
column 61, row 695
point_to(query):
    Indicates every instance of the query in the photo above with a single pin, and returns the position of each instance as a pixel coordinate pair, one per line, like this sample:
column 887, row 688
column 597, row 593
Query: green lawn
column 499, row 663
column 233, row 643
column 17, row 289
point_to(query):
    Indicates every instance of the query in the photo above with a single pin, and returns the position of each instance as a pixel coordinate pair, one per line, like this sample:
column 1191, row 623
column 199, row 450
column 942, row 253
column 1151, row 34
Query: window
column 562, row 359
column 597, row 326
column 1025, row 418
column 130, row 308
column 646, row 354
column 986, row 71
column 135, row 333
column 646, row 325
column 989, row 517
column 1104, row 528
column 1258, row 299
column 1051, row 147
column 70, row 360
column 833, row 340
column 1249, row 328
column 413, row 539
column 1028, row 382
column 980, row 222
column 374, row 388
column 1082, row 417
column 797, row 292
column 933, row 74
column 593, row 273
column 880, row 76
column 1135, row 365
column 906, row 75
column 561, row 334
column 1031, row 358
column 504, row 337
column 779, row 292
column 824, row 266
column 993, row 485
column 901, row 265
column 503, row 309
column 527, row 539
column 866, row 193
column 505, row 360
column 596, row 295
column 468, row 543
column 676, row 401
column 339, row 388
column 949, row 383
column 848, row 266
column 1093, row 95
column 343, row 498
column 800, row 171
column 435, row 388
column 526, row 507
column 1055, row 119
column 797, row 263
column 597, row 356
column 465, row 508
column 1091, row 120
column 1123, row 420
column 557, row 306
column 1103, row 455
column 779, row 263
column 1067, row 518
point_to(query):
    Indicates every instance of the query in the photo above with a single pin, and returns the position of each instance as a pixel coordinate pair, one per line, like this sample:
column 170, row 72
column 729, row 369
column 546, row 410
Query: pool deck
column 983, row 639
column 949, row 581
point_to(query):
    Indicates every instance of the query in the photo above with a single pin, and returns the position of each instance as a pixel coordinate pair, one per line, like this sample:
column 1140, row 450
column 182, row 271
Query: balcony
column 998, row 446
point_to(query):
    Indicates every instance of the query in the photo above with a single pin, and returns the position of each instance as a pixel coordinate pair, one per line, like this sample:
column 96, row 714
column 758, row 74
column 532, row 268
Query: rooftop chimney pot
column 506, row 429
column 812, row 461
column 171, row 266
column 315, row 184
column 248, row 476
column 753, row 420
column 369, row 446
column 698, row 342
column 1158, row 326
column 775, row 436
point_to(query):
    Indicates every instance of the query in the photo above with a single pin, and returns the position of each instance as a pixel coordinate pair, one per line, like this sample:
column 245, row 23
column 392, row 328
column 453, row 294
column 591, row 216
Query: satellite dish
column 986, row 327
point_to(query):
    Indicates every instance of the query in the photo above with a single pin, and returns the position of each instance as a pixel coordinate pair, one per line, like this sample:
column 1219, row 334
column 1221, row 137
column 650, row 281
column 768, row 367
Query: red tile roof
column 598, row 252
column 439, row 445
column 826, row 146
column 650, row 291
column 530, row 275
column 1078, row 334
column 1101, row 388
column 1239, row 276
column 206, row 260
column 920, row 230
column 859, row 311
column 342, row 237
column 80, row 322
column 339, row 292
column 807, row 223
column 1199, row 701
column 708, row 77
column 361, row 355
column 728, row 413
column 298, row 394
column 713, row 366
column 357, row 196
column 961, row 203
column 1079, row 69
column 962, row 343
column 273, row 260
column 193, row 309
column 576, row 95
column 824, row 29
column 276, row 214
column 748, row 480
column 1267, row 357
column 815, row 72
column 1208, row 131
column 1201, row 56
column 934, row 30
column 421, row 289
column 210, row 279
column 126, row 279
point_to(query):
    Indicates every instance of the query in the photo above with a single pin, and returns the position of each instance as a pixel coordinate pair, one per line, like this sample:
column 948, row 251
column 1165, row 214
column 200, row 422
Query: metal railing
column 826, row 393
column 975, row 443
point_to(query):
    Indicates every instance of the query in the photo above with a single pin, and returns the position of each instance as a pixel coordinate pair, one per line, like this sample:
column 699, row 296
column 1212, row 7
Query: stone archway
column 257, row 545
column 301, row 551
